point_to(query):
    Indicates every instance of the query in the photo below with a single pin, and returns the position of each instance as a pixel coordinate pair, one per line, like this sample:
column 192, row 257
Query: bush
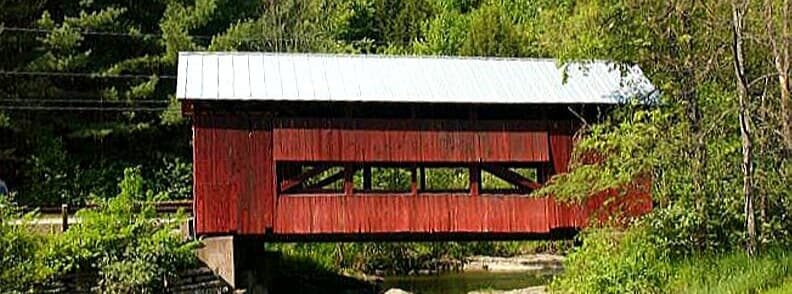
column 615, row 262
column 21, row 266
column 124, row 240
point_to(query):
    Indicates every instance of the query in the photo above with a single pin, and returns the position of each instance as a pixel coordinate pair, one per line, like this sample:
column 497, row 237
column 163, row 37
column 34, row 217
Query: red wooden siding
column 257, row 206
column 561, row 143
column 234, row 187
column 403, row 213
column 409, row 141
column 235, row 179
column 217, row 180
column 413, row 214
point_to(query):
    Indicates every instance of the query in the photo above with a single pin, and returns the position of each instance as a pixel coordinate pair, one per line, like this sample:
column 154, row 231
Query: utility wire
column 126, row 34
column 84, row 75
column 86, row 32
column 97, row 101
column 79, row 108
column 270, row 41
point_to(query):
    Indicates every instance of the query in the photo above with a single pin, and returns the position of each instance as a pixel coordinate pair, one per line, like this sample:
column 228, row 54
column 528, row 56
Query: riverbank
column 522, row 263
column 484, row 274
column 637, row 262
column 529, row 290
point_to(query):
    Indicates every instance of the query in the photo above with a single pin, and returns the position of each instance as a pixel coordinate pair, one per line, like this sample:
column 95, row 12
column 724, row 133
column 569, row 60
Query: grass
column 783, row 288
column 636, row 263
column 734, row 273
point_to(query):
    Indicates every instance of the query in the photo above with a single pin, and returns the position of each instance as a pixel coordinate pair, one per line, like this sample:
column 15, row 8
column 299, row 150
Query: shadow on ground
column 295, row 274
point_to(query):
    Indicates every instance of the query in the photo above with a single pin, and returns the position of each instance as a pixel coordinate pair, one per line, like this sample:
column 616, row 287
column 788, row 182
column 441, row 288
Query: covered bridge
column 344, row 147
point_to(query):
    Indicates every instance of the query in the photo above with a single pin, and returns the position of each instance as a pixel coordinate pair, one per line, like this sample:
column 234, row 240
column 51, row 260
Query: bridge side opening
column 367, row 179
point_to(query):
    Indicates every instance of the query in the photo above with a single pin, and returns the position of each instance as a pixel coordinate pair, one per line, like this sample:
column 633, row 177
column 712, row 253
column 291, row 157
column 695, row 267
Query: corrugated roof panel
column 288, row 78
column 389, row 88
column 351, row 87
column 194, row 74
column 225, row 76
column 209, row 76
column 302, row 77
column 322, row 77
column 258, row 82
column 335, row 86
column 433, row 78
column 468, row 73
column 453, row 73
column 241, row 77
column 272, row 85
column 181, row 79
column 420, row 79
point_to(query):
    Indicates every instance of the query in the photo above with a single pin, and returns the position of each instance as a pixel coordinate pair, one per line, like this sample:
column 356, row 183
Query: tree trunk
column 780, row 45
column 745, row 128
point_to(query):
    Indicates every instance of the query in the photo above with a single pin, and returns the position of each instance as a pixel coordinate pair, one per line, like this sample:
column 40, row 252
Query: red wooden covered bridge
column 346, row 147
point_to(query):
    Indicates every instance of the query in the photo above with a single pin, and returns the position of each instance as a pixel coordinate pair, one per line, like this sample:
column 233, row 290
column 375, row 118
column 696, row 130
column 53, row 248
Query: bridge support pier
column 240, row 262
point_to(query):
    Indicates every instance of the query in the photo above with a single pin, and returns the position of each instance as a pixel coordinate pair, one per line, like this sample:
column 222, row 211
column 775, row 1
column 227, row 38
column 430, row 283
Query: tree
column 781, row 44
column 738, row 19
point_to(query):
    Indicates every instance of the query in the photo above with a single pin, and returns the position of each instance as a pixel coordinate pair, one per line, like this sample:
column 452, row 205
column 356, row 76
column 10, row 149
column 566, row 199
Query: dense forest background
column 86, row 87
column 86, row 90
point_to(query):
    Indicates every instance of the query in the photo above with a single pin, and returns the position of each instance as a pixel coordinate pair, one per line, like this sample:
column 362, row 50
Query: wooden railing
column 160, row 206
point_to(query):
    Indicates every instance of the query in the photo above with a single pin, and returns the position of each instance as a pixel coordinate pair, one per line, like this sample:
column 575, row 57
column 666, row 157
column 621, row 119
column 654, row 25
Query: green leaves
column 177, row 22
column 492, row 33
column 614, row 153
column 21, row 267
column 126, row 241
column 614, row 262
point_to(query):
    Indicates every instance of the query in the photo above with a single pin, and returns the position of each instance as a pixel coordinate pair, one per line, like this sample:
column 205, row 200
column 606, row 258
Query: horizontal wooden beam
column 409, row 141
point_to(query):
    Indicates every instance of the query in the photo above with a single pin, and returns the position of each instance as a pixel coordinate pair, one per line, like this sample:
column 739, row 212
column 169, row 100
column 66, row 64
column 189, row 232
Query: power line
column 85, row 32
column 96, row 101
column 127, row 34
column 84, row 75
column 81, row 108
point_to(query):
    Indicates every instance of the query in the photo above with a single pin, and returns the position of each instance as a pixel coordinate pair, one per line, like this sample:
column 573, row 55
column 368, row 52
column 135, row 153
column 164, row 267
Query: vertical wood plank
column 367, row 178
column 260, row 202
column 475, row 180
column 422, row 179
column 349, row 184
column 414, row 181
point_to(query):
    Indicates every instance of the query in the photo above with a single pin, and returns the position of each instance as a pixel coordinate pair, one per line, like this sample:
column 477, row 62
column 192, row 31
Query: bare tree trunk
column 762, row 142
column 780, row 43
column 738, row 10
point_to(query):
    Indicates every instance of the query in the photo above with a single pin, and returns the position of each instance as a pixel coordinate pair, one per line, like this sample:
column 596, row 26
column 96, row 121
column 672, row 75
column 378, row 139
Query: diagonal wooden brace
column 288, row 184
column 511, row 177
column 329, row 180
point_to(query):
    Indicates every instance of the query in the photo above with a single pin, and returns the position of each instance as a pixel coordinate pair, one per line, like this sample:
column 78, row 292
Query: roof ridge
column 402, row 78
column 391, row 56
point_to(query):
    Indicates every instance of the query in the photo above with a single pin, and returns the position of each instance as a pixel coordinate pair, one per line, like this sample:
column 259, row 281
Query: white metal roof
column 376, row 78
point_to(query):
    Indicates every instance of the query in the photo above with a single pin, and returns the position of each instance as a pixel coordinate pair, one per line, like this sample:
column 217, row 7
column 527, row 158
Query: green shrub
column 21, row 266
column 133, row 250
column 615, row 262
column 173, row 178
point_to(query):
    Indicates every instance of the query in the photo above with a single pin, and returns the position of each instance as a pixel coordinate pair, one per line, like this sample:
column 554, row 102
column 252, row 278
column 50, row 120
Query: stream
column 464, row 282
